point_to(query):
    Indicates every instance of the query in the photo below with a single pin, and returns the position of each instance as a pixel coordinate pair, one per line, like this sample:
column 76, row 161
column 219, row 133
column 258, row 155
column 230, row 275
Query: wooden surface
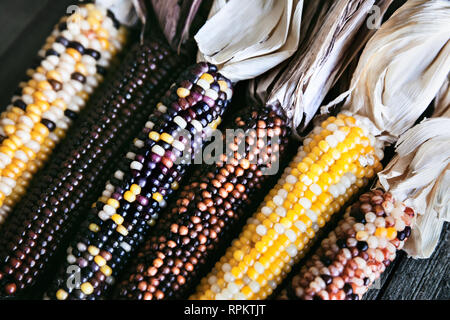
column 25, row 24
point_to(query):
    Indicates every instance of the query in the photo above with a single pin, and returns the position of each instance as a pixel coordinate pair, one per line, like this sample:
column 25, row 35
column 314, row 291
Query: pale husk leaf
column 442, row 101
column 419, row 175
column 402, row 68
column 247, row 38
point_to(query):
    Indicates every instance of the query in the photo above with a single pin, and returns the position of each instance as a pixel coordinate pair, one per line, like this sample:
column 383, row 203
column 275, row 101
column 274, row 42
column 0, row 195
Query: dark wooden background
column 24, row 25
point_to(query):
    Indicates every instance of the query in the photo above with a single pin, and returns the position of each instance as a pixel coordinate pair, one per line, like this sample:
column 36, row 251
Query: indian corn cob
column 73, row 62
column 51, row 207
column 354, row 255
column 186, row 240
column 336, row 160
column 140, row 187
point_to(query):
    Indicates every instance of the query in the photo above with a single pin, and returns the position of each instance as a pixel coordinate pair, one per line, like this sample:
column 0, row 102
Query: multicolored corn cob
column 186, row 240
column 335, row 161
column 53, row 203
column 141, row 186
column 355, row 254
column 73, row 62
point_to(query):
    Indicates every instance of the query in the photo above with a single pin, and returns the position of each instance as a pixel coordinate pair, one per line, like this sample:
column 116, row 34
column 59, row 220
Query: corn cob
column 335, row 161
column 76, row 56
column 210, row 206
column 355, row 254
column 51, row 207
column 148, row 174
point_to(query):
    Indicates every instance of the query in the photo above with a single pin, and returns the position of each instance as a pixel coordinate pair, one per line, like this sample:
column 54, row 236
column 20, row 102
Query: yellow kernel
column 381, row 232
column 74, row 54
column 93, row 250
column 207, row 77
column 129, row 196
column 87, row 288
column 106, row 270
column 166, row 138
column 61, row 294
column 306, row 220
column 247, row 291
column 302, row 167
column 113, row 203
column 183, row 92
column 223, row 85
column 100, row 261
column 324, row 146
column 157, row 196
column 286, row 222
column 236, row 272
column 135, row 189
column 391, row 233
column 238, row 255
column 118, row 219
column 122, row 230
column 154, row 136
column 93, row 227
column 308, row 161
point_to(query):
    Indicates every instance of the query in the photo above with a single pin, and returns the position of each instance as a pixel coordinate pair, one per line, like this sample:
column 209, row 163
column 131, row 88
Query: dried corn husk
column 329, row 45
column 401, row 69
column 247, row 38
column 124, row 10
column 442, row 101
column 419, row 175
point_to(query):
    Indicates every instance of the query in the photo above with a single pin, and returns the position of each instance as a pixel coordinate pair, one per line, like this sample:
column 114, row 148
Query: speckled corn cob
column 355, row 254
column 41, row 222
column 335, row 161
column 187, row 239
column 73, row 62
column 148, row 174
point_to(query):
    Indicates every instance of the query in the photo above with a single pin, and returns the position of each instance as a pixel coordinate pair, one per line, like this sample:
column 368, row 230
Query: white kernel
column 261, row 230
column 305, row 203
column 157, row 149
column 292, row 250
column 283, row 193
column 291, row 179
column 300, row 225
column 259, row 267
column 109, row 210
column 118, row 174
column 279, row 228
column 280, row 211
column 278, row 200
column 226, row 267
column 315, row 188
column 311, row 214
column 203, row 83
column 291, row 235
column 334, row 191
column 180, row 122
column 266, row 210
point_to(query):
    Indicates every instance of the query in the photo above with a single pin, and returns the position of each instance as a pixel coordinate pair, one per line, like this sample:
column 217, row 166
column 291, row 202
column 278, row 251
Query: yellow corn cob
column 336, row 160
